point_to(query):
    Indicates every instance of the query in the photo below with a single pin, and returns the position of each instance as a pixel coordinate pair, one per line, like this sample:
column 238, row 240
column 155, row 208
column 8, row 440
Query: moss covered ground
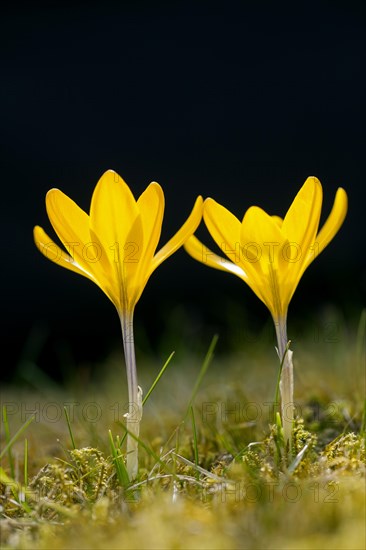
column 213, row 471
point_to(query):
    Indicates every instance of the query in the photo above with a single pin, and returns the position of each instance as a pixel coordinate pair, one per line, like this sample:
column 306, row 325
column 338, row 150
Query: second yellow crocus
column 271, row 254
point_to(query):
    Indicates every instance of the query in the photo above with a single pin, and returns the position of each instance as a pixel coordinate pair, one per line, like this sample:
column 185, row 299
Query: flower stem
column 286, row 381
column 134, row 415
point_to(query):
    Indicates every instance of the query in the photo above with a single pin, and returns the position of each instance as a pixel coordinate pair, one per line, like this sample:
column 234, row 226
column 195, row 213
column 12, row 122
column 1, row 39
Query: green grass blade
column 118, row 463
column 15, row 436
column 361, row 336
column 206, row 363
column 195, row 444
column 278, row 439
column 361, row 354
column 25, row 462
column 7, row 439
column 166, row 364
column 69, row 427
column 363, row 424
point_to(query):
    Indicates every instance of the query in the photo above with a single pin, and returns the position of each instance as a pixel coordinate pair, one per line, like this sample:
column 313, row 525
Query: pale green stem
column 134, row 415
column 286, row 381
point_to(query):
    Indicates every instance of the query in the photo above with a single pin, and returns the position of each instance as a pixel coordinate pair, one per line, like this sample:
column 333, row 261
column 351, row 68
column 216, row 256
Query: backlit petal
column 278, row 220
column 300, row 226
column 261, row 238
column 334, row 221
column 71, row 225
column 224, row 228
column 130, row 257
column 187, row 229
column 200, row 252
column 262, row 243
column 113, row 211
column 301, row 222
column 151, row 206
column 116, row 225
column 54, row 253
column 329, row 229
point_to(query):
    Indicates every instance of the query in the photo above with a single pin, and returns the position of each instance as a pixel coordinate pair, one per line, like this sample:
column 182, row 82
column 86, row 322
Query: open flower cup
column 115, row 247
column 270, row 254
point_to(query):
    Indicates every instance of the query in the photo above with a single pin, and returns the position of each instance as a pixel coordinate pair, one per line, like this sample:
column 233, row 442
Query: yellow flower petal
column 200, row 252
column 71, row 225
column 327, row 232
column 334, row 221
column 116, row 227
column 300, row 226
column 151, row 206
column 261, row 239
column 54, row 253
column 262, row 243
column 278, row 220
column 224, row 228
column 302, row 218
column 187, row 229
column 113, row 211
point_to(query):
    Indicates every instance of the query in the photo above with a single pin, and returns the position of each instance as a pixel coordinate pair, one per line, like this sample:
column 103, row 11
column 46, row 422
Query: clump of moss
column 346, row 453
column 80, row 480
column 302, row 436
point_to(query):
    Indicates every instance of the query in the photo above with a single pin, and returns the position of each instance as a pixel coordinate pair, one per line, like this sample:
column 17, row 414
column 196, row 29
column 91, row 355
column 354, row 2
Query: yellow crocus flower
column 271, row 254
column 114, row 246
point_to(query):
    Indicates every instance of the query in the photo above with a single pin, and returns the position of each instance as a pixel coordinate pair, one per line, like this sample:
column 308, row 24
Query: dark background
column 239, row 101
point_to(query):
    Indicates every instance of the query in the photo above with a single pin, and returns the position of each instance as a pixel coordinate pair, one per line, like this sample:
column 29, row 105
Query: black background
column 238, row 101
